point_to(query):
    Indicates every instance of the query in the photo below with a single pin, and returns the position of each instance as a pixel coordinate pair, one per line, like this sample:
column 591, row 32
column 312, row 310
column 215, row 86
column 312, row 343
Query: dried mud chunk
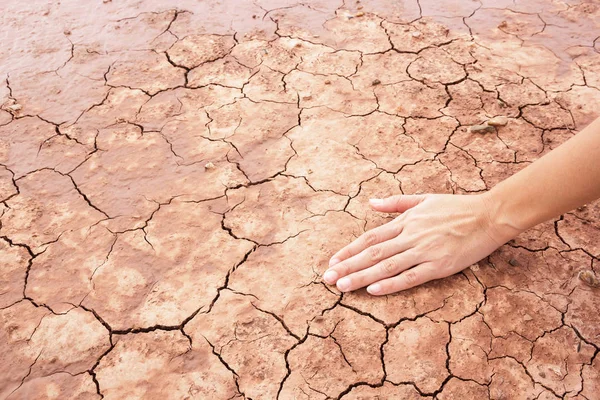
column 591, row 379
column 347, row 342
column 436, row 65
column 457, row 389
column 286, row 277
column 121, row 104
column 185, row 105
column 364, row 34
column 431, row 134
column 128, row 34
column 323, row 153
column 48, row 205
column 412, row 99
column 147, row 159
column 448, row 299
column 14, row 268
column 386, row 68
column 520, row 94
column 145, row 279
column 145, row 70
column 524, row 139
column 511, row 381
column 387, row 391
column 269, row 85
column 379, row 187
column 484, row 148
column 292, row 203
column 557, row 359
column 548, row 116
column 194, row 50
column 432, row 34
column 521, row 312
column 582, row 313
column 60, row 385
column 261, row 147
column 36, row 343
column 339, row 96
column 226, row 71
column 548, row 273
column 429, row 176
column 416, row 352
column 323, row 60
column 29, row 144
column 80, row 253
column 254, row 346
column 513, row 345
column 465, row 172
column 60, row 97
column 158, row 364
column 580, row 233
column 470, row 345
column 580, row 101
column 17, row 323
column 7, row 184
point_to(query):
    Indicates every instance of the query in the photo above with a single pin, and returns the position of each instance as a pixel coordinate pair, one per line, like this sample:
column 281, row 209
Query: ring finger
column 384, row 269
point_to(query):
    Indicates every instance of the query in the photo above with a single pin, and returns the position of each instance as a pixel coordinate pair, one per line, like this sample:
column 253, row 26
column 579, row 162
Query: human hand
column 435, row 236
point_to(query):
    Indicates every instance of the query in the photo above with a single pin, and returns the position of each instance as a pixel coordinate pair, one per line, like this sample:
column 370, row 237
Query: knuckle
column 389, row 266
column 374, row 253
column 411, row 277
column 370, row 238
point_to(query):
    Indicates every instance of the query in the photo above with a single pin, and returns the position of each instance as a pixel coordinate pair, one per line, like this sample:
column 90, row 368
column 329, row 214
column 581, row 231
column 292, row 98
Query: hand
column 434, row 237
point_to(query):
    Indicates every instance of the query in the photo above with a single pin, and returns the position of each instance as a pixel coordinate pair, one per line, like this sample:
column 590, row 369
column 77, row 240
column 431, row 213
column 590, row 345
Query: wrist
column 504, row 220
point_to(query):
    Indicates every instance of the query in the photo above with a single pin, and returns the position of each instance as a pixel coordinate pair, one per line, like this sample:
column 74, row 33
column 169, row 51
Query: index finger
column 370, row 238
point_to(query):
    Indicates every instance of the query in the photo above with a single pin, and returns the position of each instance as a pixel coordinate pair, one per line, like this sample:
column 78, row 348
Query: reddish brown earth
column 175, row 176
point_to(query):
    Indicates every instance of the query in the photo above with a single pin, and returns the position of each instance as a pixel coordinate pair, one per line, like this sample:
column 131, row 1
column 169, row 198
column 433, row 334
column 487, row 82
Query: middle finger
column 366, row 258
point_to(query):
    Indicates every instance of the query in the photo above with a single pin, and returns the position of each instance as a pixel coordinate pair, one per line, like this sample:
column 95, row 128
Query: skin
column 436, row 235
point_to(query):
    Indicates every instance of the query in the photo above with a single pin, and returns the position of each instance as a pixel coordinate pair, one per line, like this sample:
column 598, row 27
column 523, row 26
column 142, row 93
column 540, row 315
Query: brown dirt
column 173, row 180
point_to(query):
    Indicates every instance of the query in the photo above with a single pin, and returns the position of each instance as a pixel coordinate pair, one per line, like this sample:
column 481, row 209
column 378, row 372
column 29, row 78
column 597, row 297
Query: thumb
column 398, row 203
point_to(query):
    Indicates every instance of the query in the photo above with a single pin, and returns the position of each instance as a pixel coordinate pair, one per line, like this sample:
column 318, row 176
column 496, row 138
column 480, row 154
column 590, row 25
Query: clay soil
column 174, row 177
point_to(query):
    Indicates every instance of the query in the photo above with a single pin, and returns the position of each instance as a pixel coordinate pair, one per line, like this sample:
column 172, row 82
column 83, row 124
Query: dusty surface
column 175, row 176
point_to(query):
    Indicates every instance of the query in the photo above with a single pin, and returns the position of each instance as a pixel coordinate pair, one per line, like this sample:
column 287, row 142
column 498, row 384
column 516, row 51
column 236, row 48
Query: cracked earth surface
column 174, row 179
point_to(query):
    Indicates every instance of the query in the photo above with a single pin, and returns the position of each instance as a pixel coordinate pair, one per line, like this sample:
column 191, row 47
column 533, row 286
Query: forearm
column 565, row 178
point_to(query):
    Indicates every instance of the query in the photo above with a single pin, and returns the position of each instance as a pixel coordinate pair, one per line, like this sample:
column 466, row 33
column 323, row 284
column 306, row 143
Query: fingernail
column 333, row 261
column 376, row 202
column 330, row 276
column 343, row 284
column 374, row 289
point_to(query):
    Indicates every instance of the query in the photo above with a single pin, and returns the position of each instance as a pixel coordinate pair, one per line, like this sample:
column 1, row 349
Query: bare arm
column 565, row 178
column 438, row 235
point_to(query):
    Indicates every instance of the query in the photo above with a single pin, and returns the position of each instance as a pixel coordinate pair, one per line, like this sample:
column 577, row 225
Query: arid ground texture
column 175, row 175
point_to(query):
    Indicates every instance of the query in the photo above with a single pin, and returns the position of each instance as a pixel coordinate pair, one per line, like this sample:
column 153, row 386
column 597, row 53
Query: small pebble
column 209, row 165
column 327, row 82
column 360, row 14
column 416, row 34
column 359, row 7
column 67, row 32
column 376, row 82
column 589, row 278
column 513, row 262
column 498, row 121
column 527, row 317
column 482, row 128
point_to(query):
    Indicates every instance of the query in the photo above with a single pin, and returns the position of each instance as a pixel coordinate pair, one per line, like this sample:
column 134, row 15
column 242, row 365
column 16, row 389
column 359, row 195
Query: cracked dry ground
column 173, row 180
